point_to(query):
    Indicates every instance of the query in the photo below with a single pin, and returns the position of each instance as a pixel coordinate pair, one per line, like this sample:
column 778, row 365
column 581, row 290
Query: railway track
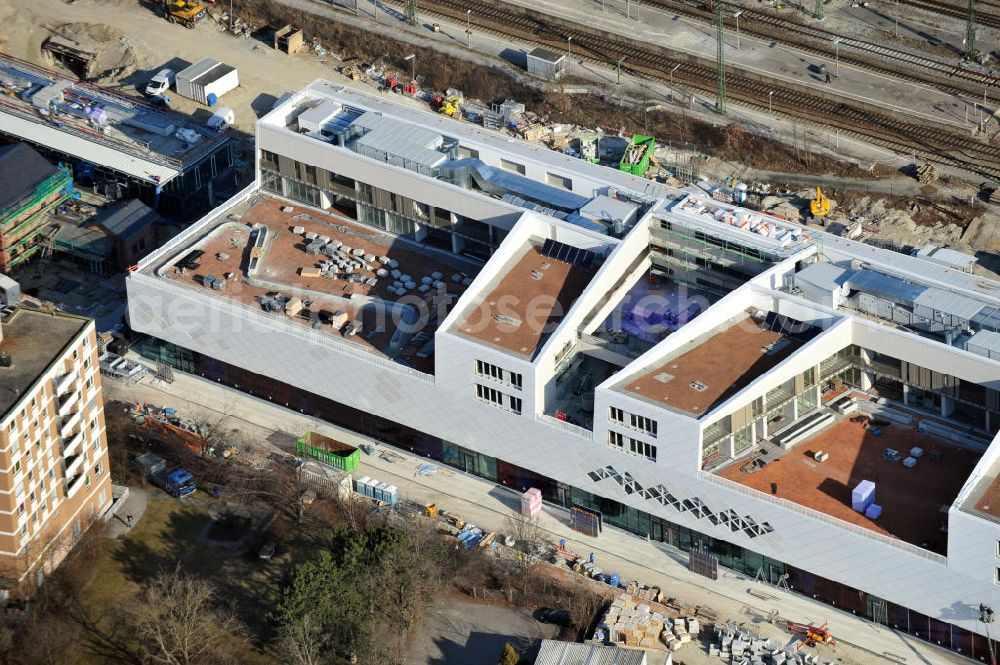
column 948, row 76
column 983, row 17
column 650, row 61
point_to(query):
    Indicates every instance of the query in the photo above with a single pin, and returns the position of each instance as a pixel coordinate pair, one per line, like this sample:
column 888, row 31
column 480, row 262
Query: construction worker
column 829, row 77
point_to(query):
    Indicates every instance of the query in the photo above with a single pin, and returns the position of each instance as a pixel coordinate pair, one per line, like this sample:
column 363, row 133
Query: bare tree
column 178, row 620
column 528, row 538
column 303, row 642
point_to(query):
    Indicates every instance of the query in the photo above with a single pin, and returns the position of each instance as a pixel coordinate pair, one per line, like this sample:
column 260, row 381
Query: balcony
column 69, row 424
column 67, row 402
column 74, row 464
column 74, row 446
column 74, row 483
column 65, row 382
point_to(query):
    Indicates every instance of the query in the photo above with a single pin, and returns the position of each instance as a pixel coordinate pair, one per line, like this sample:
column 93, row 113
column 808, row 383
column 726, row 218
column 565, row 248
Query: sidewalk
column 135, row 505
column 489, row 505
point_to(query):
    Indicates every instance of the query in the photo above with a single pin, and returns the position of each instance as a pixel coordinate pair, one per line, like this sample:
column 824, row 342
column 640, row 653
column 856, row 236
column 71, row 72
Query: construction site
column 715, row 275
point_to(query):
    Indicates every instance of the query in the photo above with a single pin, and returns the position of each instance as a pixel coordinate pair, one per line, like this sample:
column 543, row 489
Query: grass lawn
column 168, row 534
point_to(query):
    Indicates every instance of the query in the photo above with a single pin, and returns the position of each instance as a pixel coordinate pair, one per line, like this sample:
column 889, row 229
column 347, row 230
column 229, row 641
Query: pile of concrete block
column 634, row 625
column 644, row 592
column 685, row 630
column 739, row 646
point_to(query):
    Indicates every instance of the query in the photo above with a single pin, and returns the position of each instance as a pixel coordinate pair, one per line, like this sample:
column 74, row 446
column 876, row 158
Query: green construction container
column 637, row 154
column 329, row 451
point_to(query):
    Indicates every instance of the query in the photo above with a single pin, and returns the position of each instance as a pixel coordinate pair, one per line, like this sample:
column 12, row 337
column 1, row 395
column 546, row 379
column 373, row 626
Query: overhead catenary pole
column 619, row 68
column 411, row 12
column 468, row 27
column 720, row 92
column 818, row 12
column 970, row 31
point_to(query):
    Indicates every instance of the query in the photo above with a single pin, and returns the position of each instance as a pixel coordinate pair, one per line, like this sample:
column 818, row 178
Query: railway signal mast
column 720, row 92
column 970, row 32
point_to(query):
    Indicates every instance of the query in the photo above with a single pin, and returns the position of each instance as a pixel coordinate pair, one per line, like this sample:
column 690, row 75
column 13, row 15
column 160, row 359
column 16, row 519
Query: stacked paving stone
column 739, row 646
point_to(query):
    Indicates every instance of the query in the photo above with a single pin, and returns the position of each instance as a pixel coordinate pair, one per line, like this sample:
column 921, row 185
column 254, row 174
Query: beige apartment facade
column 55, row 480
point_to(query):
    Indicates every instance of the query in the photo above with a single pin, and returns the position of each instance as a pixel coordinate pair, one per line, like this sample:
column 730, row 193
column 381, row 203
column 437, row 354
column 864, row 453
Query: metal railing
column 565, row 426
column 823, row 517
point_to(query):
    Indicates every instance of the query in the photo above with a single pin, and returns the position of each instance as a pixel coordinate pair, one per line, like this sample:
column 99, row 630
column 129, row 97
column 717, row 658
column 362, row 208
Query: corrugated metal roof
column 949, row 302
column 885, row 286
column 408, row 142
column 949, row 257
column 205, row 71
column 572, row 653
column 86, row 150
column 824, row 276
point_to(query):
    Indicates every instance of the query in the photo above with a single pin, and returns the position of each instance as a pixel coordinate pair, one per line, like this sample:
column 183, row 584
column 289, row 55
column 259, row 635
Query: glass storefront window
column 806, row 402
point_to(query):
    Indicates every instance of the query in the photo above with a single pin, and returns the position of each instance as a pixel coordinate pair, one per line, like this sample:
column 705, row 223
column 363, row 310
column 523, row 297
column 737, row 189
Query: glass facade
column 731, row 555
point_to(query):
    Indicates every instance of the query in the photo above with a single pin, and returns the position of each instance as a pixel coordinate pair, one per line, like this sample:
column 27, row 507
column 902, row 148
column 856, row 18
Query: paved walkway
column 489, row 506
column 135, row 505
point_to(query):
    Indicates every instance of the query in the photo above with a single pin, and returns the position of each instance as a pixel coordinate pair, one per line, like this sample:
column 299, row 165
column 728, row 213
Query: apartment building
column 54, row 474
column 705, row 375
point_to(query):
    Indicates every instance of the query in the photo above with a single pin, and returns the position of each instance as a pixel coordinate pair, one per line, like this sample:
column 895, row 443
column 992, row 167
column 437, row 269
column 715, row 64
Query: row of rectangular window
column 636, row 422
column 627, row 444
column 502, row 400
column 489, row 370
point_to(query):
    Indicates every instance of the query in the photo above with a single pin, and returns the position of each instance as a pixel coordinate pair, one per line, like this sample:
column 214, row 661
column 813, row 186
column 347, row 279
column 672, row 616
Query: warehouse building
column 118, row 146
column 807, row 409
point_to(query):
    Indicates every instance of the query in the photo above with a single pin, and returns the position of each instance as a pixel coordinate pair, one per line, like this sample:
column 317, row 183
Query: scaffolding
column 21, row 222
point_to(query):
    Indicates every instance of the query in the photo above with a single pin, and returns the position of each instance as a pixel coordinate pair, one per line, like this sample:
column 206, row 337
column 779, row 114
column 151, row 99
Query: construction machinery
column 186, row 13
column 811, row 634
column 451, row 106
column 819, row 206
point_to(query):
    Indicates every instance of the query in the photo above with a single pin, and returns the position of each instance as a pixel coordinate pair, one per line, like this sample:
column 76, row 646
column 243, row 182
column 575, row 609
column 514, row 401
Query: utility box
column 329, row 451
column 546, row 64
column 288, row 39
column 207, row 80
column 10, row 290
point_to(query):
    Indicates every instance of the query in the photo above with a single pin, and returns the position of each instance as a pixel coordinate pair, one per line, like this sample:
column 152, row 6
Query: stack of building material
column 531, row 503
column 743, row 647
column 927, row 173
column 634, row 625
column 863, row 496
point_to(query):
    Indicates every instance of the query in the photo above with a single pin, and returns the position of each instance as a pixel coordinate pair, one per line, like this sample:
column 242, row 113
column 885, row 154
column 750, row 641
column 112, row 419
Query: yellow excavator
column 819, row 206
column 183, row 12
column 451, row 106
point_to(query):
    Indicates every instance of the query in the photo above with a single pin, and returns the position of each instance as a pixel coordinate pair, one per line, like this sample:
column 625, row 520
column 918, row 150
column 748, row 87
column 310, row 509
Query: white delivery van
column 160, row 83
column 222, row 119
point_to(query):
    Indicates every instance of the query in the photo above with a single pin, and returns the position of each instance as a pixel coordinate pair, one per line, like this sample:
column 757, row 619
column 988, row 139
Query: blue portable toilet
column 614, row 580
column 211, row 99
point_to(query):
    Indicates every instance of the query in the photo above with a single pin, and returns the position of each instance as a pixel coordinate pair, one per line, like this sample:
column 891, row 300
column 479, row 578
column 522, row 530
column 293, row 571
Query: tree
column 508, row 656
column 178, row 620
column 303, row 642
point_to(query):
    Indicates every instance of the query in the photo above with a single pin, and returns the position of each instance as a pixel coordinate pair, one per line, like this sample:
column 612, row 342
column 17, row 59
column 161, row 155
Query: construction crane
column 811, row 634
column 819, row 206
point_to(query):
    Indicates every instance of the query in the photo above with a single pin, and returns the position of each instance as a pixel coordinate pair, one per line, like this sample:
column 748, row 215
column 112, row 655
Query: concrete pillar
column 727, row 448
column 457, row 243
column 325, row 199
column 420, row 232
column 947, row 406
column 906, row 394
column 867, row 380
column 866, row 355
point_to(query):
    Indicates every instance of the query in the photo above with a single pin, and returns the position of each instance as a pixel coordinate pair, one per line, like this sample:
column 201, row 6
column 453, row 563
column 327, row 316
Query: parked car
column 160, row 83
column 553, row 616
